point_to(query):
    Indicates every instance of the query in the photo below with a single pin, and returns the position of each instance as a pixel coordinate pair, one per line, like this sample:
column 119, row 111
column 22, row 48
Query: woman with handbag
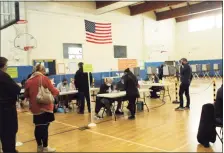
column 40, row 92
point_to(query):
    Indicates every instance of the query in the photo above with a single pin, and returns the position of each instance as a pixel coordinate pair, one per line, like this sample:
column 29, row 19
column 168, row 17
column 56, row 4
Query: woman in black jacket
column 8, row 114
column 132, row 93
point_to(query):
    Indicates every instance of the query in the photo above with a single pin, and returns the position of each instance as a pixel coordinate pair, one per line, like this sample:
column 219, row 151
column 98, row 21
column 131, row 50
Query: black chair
column 219, row 124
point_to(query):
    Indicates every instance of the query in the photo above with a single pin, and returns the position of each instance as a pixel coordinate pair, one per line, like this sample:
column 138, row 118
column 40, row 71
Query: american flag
column 98, row 33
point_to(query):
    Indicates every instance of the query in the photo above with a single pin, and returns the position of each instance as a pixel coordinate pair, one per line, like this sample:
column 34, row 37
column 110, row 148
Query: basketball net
column 23, row 40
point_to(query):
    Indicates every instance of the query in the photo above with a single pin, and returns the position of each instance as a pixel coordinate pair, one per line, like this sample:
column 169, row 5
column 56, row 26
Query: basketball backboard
column 9, row 13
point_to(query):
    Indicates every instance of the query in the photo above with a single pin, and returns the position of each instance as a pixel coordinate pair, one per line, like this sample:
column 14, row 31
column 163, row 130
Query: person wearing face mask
column 8, row 114
column 63, row 86
column 185, row 79
column 107, row 87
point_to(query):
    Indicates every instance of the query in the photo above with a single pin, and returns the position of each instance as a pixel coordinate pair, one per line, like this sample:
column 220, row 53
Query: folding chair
column 216, row 68
column 219, row 125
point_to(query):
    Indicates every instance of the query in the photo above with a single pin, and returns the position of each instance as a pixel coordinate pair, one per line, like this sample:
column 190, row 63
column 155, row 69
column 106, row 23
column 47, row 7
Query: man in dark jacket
column 219, row 105
column 132, row 93
column 81, row 83
column 8, row 114
column 185, row 79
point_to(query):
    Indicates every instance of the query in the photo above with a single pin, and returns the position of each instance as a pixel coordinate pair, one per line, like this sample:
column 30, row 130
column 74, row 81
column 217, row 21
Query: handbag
column 44, row 96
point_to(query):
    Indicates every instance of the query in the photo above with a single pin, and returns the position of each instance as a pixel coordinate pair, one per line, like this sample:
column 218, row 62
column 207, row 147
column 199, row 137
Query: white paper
column 72, row 67
column 61, row 68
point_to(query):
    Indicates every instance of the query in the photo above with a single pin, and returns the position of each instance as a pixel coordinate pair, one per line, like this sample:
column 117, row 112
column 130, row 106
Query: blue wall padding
column 24, row 71
column 211, row 62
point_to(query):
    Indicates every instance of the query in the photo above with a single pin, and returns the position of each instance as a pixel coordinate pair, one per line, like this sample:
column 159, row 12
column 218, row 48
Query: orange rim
column 22, row 22
column 27, row 48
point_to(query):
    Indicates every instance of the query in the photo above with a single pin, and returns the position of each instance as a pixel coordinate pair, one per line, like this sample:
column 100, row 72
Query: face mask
column 108, row 84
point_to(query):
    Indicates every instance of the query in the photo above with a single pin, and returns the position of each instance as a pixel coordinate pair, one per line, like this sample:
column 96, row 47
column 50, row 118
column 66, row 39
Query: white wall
column 159, row 36
column 54, row 23
column 200, row 45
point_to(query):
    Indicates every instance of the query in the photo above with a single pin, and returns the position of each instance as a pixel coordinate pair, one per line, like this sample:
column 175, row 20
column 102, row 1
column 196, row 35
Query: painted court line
column 106, row 135
column 180, row 147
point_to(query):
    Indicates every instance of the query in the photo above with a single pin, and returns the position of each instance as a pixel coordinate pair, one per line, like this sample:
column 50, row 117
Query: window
column 205, row 23
column 72, row 51
column 120, row 51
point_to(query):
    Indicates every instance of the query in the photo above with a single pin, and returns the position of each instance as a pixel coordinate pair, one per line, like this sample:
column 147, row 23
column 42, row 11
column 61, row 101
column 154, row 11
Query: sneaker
column 119, row 113
column 49, row 149
column 97, row 117
column 40, row 149
column 187, row 108
column 131, row 117
column 179, row 109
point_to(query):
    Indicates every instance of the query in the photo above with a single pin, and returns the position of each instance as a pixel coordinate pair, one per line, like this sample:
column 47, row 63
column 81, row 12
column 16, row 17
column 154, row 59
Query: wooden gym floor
column 160, row 130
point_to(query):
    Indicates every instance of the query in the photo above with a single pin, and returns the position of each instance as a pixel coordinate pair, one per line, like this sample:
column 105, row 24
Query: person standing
column 8, row 114
column 161, row 72
column 218, row 105
column 132, row 93
column 42, row 113
column 81, row 83
column 185, row 79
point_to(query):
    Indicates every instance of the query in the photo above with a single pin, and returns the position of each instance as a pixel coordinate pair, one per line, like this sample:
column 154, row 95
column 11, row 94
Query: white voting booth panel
column 205, row 67
column 194, row 68
column 216, row 66
column 198, row 67
column 152, row 70
column 169, row 70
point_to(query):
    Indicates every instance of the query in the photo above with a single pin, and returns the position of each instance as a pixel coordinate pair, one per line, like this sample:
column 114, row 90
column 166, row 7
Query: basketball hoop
column 25, row 42
column 28, row 48
column 22, row 22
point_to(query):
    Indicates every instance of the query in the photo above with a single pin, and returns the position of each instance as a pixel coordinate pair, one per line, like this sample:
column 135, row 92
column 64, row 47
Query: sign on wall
column 88, row 68
column 13, row 72
column 126, row 63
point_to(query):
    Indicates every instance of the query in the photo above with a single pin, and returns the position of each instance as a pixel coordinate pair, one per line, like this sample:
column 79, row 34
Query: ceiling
column 180, row 10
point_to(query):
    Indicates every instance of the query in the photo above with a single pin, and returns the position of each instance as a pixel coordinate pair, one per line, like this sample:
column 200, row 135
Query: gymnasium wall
column 54, row 23
column 199, row 45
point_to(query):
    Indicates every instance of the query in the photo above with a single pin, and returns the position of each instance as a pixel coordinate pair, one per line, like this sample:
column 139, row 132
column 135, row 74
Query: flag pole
column 91, row 124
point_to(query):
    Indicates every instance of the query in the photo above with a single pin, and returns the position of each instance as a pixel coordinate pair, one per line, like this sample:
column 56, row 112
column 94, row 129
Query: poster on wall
column 12, row 72
column 72, row 67
column 127, row 63
column 61, row 68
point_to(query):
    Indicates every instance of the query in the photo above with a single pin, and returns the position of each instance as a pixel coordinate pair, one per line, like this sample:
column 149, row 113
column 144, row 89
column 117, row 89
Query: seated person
column 63, row 86
column 72, row 84
column 155, row 89
column 219, row 106
column 107, row 87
